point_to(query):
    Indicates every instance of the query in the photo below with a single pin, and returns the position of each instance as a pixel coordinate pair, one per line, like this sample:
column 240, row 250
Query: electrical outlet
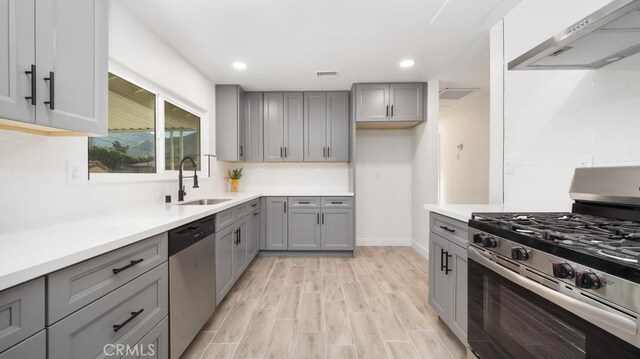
column 585, row 162
column 509, row 166
column 74, row 172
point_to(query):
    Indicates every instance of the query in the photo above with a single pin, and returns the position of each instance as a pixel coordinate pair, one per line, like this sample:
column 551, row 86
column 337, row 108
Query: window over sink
column 149, row 133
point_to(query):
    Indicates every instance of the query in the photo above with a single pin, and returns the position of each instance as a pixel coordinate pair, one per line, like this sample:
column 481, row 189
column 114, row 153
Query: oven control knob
column 588, row 280
column 563, row 270
column 519, row 253
column 489, row 242
column 477, row 238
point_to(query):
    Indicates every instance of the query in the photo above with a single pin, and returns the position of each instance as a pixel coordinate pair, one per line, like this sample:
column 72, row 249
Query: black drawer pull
column 254, row 205
column 450, row 230
column 304, row 202
column 131, row 264
column 132, row 317
column 337, row 202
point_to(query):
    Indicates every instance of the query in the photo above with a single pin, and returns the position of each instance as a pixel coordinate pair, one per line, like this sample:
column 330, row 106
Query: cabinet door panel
column 224, row 261
column 17, row 38
column 72, row 42
column 276, row 226
column 240, row 249
column 227, row 117
column 337, row 229
column 406, row 102
column 273, row 126
column 438, row 280
column 293, row 126
column 315, row 126
column 304, row 229
column 372, row 102
column 254, row 130
column 458, row 288
column 253, row 235
column 241, row 126
column 32, row 348
column 337, row 126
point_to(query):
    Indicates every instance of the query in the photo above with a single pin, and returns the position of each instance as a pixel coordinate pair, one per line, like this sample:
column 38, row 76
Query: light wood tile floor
column 371, row 306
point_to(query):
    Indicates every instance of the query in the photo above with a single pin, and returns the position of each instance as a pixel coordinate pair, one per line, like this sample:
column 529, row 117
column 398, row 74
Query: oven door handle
column 577, row 307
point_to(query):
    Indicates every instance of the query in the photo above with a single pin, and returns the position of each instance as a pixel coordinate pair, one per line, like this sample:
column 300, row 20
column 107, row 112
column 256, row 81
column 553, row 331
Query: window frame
column 162, row 96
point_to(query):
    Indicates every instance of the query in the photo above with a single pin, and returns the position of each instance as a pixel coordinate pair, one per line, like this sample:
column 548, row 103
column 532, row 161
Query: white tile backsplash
column 553, row 119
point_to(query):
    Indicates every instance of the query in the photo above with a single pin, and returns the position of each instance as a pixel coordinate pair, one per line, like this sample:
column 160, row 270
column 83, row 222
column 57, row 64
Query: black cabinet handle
column 52, row 89
column 304, row 202
column 318, row 218
column 323, row 218
column 441, row 260
column 281, row 152
column 254, row 205
column 387, row 110
column 240, row 236
column 117, row 327
column 337, row 202
column 391, row 110
column 32, row 72
column 131, row 264
column 285, row 207
column 285, row 153
column 328, row 152
column 241, row 151
column 324, row 152
column 235, row 241
column 257, row 213
column 450, row 230
column 446, row 263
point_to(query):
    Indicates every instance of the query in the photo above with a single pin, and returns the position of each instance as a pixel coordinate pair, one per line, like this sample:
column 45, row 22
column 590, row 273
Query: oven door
column 507, row 320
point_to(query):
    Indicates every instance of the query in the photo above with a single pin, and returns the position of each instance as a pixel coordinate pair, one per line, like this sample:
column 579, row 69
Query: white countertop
column 462, row 212
column 29, row 254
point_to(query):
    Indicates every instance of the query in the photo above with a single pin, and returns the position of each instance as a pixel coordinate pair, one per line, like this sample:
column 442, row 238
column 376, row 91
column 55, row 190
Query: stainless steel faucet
column 181, row 188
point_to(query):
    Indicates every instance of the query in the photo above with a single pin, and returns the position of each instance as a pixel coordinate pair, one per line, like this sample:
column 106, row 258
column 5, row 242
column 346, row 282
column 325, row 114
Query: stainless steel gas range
column 560, row 285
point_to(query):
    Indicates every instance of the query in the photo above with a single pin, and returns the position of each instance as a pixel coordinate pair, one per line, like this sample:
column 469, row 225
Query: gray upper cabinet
column 406, row 102
column 304, row 229
column 69, row 53
column 17, row 46
column 254, row 127
column 326, row 126
column 230, row 124
column 337, row 126
column 72, row 64
column 293, row 126
column 372, row 102
column 337, row 229
column 276, row 236
column 273, row 126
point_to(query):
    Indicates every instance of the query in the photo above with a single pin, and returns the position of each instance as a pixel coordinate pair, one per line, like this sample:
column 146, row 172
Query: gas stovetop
column 612, row 245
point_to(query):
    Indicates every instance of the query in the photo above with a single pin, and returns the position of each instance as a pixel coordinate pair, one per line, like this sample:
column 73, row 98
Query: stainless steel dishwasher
column 191, row 281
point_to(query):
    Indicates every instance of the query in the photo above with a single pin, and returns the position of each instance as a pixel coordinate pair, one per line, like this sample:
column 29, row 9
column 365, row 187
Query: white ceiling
column 284, row 42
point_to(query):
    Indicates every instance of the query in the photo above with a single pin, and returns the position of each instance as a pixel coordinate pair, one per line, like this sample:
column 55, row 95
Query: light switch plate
column 74, row 172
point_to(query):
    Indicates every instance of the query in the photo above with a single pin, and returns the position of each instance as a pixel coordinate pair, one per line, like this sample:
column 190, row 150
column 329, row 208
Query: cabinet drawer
column 450, row 229
column 337, row 202
column 32, row 348
column 224, row 219
column 154, row 345
column 74, row 287
column 304, row 202
column 240, row 211
column 254, row 205
column 124, row 316
column 21, row 312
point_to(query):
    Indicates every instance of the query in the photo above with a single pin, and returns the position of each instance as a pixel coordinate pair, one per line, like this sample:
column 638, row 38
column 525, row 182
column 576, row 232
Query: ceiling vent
column 320, row 74
column 455, row 93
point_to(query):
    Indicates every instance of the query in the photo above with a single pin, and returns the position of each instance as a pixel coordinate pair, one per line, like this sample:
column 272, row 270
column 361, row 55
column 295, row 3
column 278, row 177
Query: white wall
column 555, row 119
column 424, row 175
column 464, row 174
column 33, row 180
column 383, row 160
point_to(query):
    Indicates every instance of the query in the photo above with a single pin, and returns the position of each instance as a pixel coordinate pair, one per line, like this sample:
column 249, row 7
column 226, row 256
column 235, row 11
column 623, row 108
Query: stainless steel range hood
column 604, row 37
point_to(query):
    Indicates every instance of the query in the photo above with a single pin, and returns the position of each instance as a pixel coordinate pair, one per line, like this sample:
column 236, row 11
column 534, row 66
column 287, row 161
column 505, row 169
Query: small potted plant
column 233, row 176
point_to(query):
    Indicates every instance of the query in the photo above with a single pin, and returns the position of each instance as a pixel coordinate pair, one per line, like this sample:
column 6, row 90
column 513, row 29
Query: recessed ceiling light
column 239, row 65
column 407, row 63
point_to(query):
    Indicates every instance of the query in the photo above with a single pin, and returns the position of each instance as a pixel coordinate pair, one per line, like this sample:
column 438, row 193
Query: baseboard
column 401, row 242
column 420, row 249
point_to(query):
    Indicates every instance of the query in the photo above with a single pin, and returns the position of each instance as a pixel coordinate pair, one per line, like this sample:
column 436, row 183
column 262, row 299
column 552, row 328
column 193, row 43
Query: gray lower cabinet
column 304, row 229
column 253, row 234
column 240, row 247
column 224, row 261
column 230, row 123
column 123, row 316
column 448, row 273
column 154, row 345
column 276, row 235
column 22, row 312
column 326, row 126
column 253, row 127
column 337, row 229
column 66, row 58
column 32, row 348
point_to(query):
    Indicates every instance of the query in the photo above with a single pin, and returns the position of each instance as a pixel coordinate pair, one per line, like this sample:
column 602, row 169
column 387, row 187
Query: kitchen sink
column 204, row 202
